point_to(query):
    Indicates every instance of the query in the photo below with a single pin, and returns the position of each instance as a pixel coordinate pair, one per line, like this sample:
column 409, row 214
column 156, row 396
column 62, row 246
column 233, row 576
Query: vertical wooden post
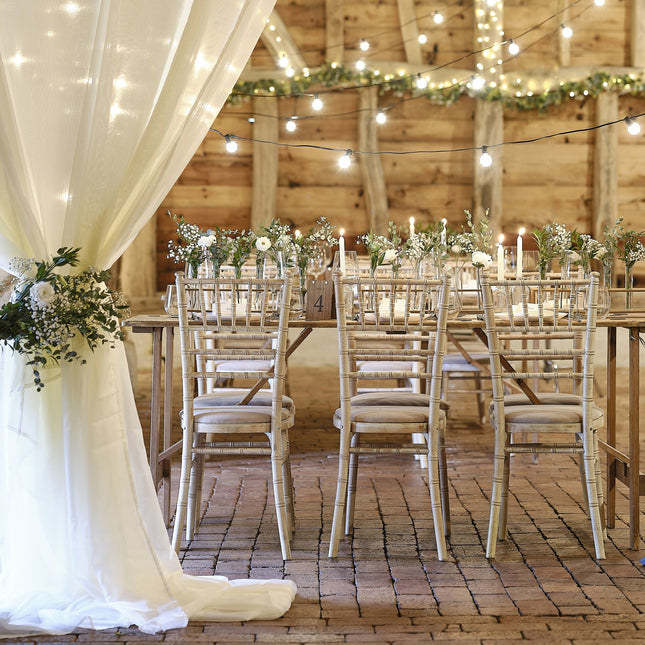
column 637, row 42
column 564, row 44
column 334, row 31
column 410, row 31
column 605, row 174
column 265, row 162
column 487, row 186
column 371, row 167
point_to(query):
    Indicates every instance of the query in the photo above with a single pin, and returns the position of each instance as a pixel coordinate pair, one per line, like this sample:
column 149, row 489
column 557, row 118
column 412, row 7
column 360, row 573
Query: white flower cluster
column 481, row 260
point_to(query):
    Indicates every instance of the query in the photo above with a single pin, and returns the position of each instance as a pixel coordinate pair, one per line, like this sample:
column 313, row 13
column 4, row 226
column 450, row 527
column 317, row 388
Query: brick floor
column 387, row 586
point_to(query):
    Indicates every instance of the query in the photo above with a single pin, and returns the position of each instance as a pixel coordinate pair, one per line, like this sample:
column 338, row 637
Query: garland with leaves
column 339, row 77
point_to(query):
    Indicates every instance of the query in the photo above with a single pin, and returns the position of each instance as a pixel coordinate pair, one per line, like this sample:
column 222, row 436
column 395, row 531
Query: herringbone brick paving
column 387, row 586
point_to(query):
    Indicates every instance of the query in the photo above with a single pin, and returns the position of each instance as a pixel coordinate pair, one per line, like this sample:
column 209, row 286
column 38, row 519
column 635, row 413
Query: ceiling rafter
column 410, row 31
column 278, row 41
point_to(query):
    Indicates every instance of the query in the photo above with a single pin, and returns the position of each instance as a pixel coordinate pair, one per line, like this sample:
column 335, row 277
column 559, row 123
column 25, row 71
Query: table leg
column 634, row 439
column 611, row 426
column 155, row 404
column 167, row 423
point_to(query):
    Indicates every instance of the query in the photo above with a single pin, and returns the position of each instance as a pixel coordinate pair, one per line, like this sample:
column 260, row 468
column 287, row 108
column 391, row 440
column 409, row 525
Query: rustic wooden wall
column 538, row 183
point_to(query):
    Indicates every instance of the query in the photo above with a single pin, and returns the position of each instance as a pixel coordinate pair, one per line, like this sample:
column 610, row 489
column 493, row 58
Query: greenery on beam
column 339, row 77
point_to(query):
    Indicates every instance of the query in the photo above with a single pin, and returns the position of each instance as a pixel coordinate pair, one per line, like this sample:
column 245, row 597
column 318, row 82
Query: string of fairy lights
column 482, row 84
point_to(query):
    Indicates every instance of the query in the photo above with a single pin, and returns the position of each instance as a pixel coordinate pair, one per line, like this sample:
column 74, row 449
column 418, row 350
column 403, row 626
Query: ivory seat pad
column 207, row 421
column 228, row 396
column 547, row 414
column 382, row 414
column 387, row 398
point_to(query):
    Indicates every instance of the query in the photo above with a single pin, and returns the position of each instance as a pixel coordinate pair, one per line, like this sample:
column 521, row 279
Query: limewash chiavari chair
column 242, row 324
column 530, row 324
column 413, row 312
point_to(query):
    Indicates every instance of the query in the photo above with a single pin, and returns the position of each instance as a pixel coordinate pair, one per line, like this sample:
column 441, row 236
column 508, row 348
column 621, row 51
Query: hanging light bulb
column 513, row 48
column 633, row 127
column 231, row 146
column 478, row 82
column 290, row 72
column 316, row 104
column 364, row 45
column 345, row 160
column 283, row 61
column 567, row 32
column 380, row 117
column 422, row 83
column 290, row 125
column 599, row 3
column 251, row 119
column 485, row 160
column 423, row 39
column 438, row 18
column 360, row 65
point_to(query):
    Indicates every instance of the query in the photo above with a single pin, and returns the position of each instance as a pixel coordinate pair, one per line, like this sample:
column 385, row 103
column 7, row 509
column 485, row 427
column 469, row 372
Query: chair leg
column 594, row 509
column 280, row 508
column 436, row 498
column 195, row 490
column 495, row 498
column 419, row 438
column 288, row 483
column 182, row 495
column 503, row 511
column 351, row 487
column 443, row 483
column 341, row 491
column 481, row 407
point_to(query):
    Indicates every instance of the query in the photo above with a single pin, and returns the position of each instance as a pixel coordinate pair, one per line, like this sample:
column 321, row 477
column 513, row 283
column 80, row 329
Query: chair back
column 232, row 329
column 533, row 325
column 397, row 324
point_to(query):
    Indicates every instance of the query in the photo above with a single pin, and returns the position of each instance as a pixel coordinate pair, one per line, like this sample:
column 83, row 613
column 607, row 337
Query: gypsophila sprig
column 480, row 232
column 188, row 248
column 49, row 310
column 553, row 241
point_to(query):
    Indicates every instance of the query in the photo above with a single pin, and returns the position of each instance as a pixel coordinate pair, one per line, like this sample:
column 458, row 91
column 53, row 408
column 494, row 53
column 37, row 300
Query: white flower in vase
column 263, row 244
column 481, row 260
column 42, row 294
column 390, row 256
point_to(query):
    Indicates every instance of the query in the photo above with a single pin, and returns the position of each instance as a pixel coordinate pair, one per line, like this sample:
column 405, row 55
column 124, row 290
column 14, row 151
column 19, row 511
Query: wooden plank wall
column 541, row 182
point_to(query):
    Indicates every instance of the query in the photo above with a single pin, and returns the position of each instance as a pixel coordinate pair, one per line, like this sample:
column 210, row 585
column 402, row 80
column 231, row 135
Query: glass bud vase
column 604, row 293
column 629, row 285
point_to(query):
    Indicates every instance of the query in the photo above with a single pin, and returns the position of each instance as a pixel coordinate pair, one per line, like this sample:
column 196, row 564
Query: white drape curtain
column 102, row 104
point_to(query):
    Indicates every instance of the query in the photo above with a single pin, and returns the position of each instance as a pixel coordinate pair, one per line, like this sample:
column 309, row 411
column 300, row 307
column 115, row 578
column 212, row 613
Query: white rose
column 263, row 244
column 206, row 241
column 481, row 259
column 390, row 256
column 573, row 256
column 601, row 252
column 456, row 249
column 42, row 293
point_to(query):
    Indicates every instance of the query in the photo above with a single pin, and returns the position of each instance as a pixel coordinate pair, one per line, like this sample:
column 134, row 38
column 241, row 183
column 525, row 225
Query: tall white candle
column 341, row 250
column 444, row 221
column 500, row 258
column 519, row 253
column 412, row 227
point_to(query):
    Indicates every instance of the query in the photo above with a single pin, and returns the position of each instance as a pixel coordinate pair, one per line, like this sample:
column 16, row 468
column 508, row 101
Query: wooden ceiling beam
column 278, row 41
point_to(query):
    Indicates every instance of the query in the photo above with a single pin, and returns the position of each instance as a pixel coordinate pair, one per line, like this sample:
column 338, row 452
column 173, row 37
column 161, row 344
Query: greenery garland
column 338, row 77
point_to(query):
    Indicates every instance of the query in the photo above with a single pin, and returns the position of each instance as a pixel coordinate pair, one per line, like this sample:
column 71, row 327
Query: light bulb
column 360, row 65
column 633, row 127
column 599, row 3
column 231, row 146
column 290, row 125
column 289, row 72
column 485, row 160
column 567, row 32
column 381, row 118
column 316, row 104
column 438, row 18
column 513, row 48
column 478, row 82
column 423, row 39
column 283, row 61
column 364, row 45
column 345, row 160
column 422, row 83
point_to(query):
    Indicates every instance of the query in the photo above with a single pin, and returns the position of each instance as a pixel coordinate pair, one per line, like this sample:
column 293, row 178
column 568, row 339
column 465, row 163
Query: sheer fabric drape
column 102, row 104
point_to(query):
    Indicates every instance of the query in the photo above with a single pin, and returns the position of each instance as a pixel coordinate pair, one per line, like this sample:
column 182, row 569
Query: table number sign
column 320, row 300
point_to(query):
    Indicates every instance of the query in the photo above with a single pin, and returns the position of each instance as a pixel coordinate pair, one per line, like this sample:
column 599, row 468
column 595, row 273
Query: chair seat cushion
column 208, row 420
column 385, row 414
column 384, row 366
column 388, row 398
column 458, row 363
column 243, row 366
column 541, row 414
column 549, row 398
column 233, row 395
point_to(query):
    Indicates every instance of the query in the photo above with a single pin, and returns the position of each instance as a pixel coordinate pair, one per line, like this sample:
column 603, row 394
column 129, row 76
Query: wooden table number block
column 320, row 300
